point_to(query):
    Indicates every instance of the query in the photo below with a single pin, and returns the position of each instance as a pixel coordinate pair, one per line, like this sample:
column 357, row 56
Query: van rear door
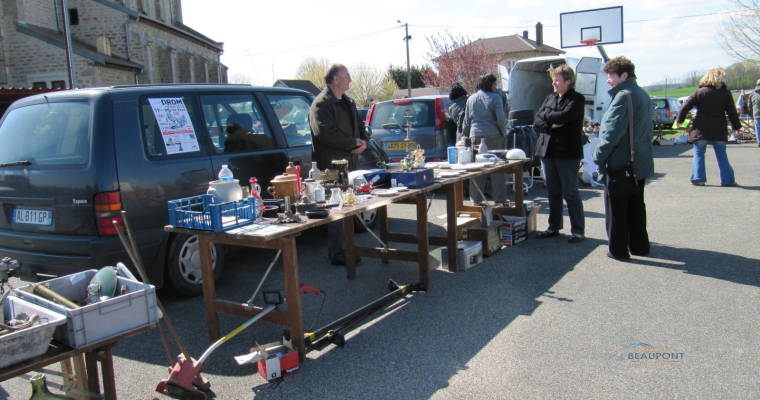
column 590, row 82
column 46, row 179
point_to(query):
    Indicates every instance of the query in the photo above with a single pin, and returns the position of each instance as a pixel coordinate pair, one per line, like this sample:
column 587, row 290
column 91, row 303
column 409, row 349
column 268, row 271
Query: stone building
column 115, row 42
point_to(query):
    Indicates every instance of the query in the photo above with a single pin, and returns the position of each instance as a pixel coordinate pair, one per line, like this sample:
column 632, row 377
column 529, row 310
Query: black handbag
column 542, row 145
column 623, row 182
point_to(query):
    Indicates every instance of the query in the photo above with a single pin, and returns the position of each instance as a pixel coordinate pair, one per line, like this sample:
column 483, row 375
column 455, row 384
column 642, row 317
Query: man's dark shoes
column 625, row 258
column 640, row 253
column 547, row 234
column 575, row 239
column 341, row 260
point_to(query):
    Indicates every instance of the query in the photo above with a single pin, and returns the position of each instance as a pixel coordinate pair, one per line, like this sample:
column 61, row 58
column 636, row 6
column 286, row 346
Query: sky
column 266, row 40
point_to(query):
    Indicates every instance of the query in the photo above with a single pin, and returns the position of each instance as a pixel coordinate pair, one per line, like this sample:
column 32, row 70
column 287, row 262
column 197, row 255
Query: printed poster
column 175, row 125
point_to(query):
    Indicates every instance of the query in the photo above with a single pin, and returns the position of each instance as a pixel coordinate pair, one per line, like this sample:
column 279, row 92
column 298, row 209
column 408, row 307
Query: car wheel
column 369, row 218
column 184, row 267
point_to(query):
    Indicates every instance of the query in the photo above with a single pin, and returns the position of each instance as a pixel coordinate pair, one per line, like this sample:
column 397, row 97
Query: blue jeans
column 561, row 175
column 757, row 131
column 698, row 162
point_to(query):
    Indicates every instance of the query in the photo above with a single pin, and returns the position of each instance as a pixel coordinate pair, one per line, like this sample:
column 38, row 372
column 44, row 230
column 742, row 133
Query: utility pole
column 67, row 42
column 407, row 38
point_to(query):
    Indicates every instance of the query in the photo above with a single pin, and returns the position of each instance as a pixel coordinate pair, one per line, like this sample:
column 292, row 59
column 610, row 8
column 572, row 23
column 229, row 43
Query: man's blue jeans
column 698, row 164
column 757, row 131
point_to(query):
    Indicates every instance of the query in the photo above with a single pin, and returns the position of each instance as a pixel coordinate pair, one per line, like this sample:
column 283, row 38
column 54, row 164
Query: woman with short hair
column 561, row 116
column 713, row 102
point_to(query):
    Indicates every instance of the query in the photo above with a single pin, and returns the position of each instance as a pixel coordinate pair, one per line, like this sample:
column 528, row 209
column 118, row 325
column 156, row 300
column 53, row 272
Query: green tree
column 742, row 75
column 741, row 34
column 398, row 74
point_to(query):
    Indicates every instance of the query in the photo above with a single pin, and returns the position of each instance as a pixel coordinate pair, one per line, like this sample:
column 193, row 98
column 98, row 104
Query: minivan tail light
column 369, row 114
column 440, row 116
column 402, row 101
column 668, row 113
column 107, row 209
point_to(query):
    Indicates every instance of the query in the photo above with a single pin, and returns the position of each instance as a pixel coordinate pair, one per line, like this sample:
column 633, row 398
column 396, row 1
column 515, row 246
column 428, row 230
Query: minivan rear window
column 398, row 112
column 48, row 134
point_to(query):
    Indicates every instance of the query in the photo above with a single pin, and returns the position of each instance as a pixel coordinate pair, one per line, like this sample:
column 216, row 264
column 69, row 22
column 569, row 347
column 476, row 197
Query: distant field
column 687, row 91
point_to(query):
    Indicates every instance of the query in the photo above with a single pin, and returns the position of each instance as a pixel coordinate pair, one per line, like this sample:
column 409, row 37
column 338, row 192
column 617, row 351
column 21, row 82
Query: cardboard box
column 418, row 178
column 469, row 254
column 533, row 216
column 513, row 230
column 488, row 236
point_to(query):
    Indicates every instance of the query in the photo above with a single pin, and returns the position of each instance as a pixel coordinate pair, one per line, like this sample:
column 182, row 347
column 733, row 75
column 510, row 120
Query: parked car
column 70, row 161
column 425, row 116
column 665, row 111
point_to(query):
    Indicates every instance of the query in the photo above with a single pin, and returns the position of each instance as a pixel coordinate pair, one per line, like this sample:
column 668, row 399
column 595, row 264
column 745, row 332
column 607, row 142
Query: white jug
column 225, row 191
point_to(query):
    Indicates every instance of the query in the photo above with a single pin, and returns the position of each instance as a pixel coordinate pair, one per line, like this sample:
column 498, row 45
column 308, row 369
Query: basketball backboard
column 588, row 27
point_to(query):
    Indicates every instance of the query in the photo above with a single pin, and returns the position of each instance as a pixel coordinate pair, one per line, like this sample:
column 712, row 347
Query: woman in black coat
column 561, row 116
column 713, row 102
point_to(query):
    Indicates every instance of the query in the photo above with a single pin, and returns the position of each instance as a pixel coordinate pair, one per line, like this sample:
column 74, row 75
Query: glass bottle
column 40, row 390
column 314, row 172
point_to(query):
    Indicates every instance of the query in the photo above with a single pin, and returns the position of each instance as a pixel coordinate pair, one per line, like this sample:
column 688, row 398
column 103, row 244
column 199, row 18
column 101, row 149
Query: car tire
column 369, row 217
column 184, row 267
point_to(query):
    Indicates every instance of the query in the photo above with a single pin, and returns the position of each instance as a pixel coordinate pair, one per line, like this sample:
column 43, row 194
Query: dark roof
column 78, row 47
column 302, row 84
column 514, row 44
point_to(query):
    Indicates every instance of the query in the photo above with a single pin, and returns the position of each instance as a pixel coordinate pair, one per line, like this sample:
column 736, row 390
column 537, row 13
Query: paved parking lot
column 543, row 319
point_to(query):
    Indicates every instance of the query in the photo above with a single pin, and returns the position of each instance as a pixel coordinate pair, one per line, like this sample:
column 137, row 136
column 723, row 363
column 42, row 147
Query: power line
column 317, row 45
column 521, row 26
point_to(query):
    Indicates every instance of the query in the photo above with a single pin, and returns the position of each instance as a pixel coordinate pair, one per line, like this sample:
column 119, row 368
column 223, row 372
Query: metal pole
column 408, row 67
column 67, row 43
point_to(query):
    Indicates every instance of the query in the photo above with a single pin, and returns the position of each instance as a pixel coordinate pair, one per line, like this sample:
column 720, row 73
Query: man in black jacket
column 338, row 134
column 561, row 116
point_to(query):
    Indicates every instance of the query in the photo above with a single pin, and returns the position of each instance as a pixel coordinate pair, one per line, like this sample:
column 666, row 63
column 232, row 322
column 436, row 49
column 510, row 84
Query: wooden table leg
column 348, row 236
column 382, row 220
column 209, row 287
column 106, row 368
column 293, row 295
column 519, row 195
column 423, row 251
column 91, row 362
column 452, row 230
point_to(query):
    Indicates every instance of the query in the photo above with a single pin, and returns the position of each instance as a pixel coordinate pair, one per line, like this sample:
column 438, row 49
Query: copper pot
column 285, row 185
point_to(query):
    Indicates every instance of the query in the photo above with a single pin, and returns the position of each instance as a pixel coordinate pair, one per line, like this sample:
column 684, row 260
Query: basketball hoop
column 589, row 42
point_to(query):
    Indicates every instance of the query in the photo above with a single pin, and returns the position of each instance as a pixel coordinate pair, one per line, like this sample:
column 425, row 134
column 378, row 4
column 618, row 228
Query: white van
column 529, row 83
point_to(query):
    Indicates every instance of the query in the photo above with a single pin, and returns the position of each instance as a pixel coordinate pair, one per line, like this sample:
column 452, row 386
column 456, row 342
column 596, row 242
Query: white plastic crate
column 30, row 342
column 102, row 320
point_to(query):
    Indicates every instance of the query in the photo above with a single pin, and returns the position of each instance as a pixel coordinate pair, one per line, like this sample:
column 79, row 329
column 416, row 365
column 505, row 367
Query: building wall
column 144, row 43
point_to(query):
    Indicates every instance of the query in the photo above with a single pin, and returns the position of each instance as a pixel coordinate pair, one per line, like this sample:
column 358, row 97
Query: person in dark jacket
column 713, row 102
column 338, row 134
column 625, row 214
column 458, row 97
column 561, row 116
column 754, row 106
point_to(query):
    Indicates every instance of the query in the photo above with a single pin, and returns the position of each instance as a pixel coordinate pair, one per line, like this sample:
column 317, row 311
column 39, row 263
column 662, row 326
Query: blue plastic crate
column 201, row 212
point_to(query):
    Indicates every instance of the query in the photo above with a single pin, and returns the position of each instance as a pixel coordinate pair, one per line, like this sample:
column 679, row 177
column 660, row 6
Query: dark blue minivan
column 70, row 161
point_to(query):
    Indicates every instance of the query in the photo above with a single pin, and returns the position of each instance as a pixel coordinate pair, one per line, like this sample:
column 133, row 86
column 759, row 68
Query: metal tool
column 334, row 332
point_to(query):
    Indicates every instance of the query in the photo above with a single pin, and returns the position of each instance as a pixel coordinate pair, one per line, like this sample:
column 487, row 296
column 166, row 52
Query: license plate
column 400, row 146
column 32, row 216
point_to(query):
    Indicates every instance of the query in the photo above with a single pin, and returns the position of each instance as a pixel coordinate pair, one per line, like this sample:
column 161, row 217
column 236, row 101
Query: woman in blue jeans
column 713, row 102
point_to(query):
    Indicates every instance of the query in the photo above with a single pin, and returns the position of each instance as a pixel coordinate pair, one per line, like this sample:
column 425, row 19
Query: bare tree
column 368, row 85
column 458, row 59
column 741, row 34
column 692, row 78
column 314, row 70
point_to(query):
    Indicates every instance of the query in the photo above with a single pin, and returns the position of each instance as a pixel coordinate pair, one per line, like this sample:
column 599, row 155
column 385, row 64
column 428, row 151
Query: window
column 293, row 115
column 235, row 123
column 167, row 128
column 397, row 113
column 47, row 134
column 73, row 16
column 47, row 80
column 58, row 84
column 39, row 85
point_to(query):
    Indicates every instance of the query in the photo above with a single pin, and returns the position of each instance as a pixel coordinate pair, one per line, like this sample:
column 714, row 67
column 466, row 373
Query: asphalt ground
column 542, row 320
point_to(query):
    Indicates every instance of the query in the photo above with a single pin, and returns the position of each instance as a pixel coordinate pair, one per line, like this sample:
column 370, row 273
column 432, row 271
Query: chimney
column 539, row 34
column 525, row 34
